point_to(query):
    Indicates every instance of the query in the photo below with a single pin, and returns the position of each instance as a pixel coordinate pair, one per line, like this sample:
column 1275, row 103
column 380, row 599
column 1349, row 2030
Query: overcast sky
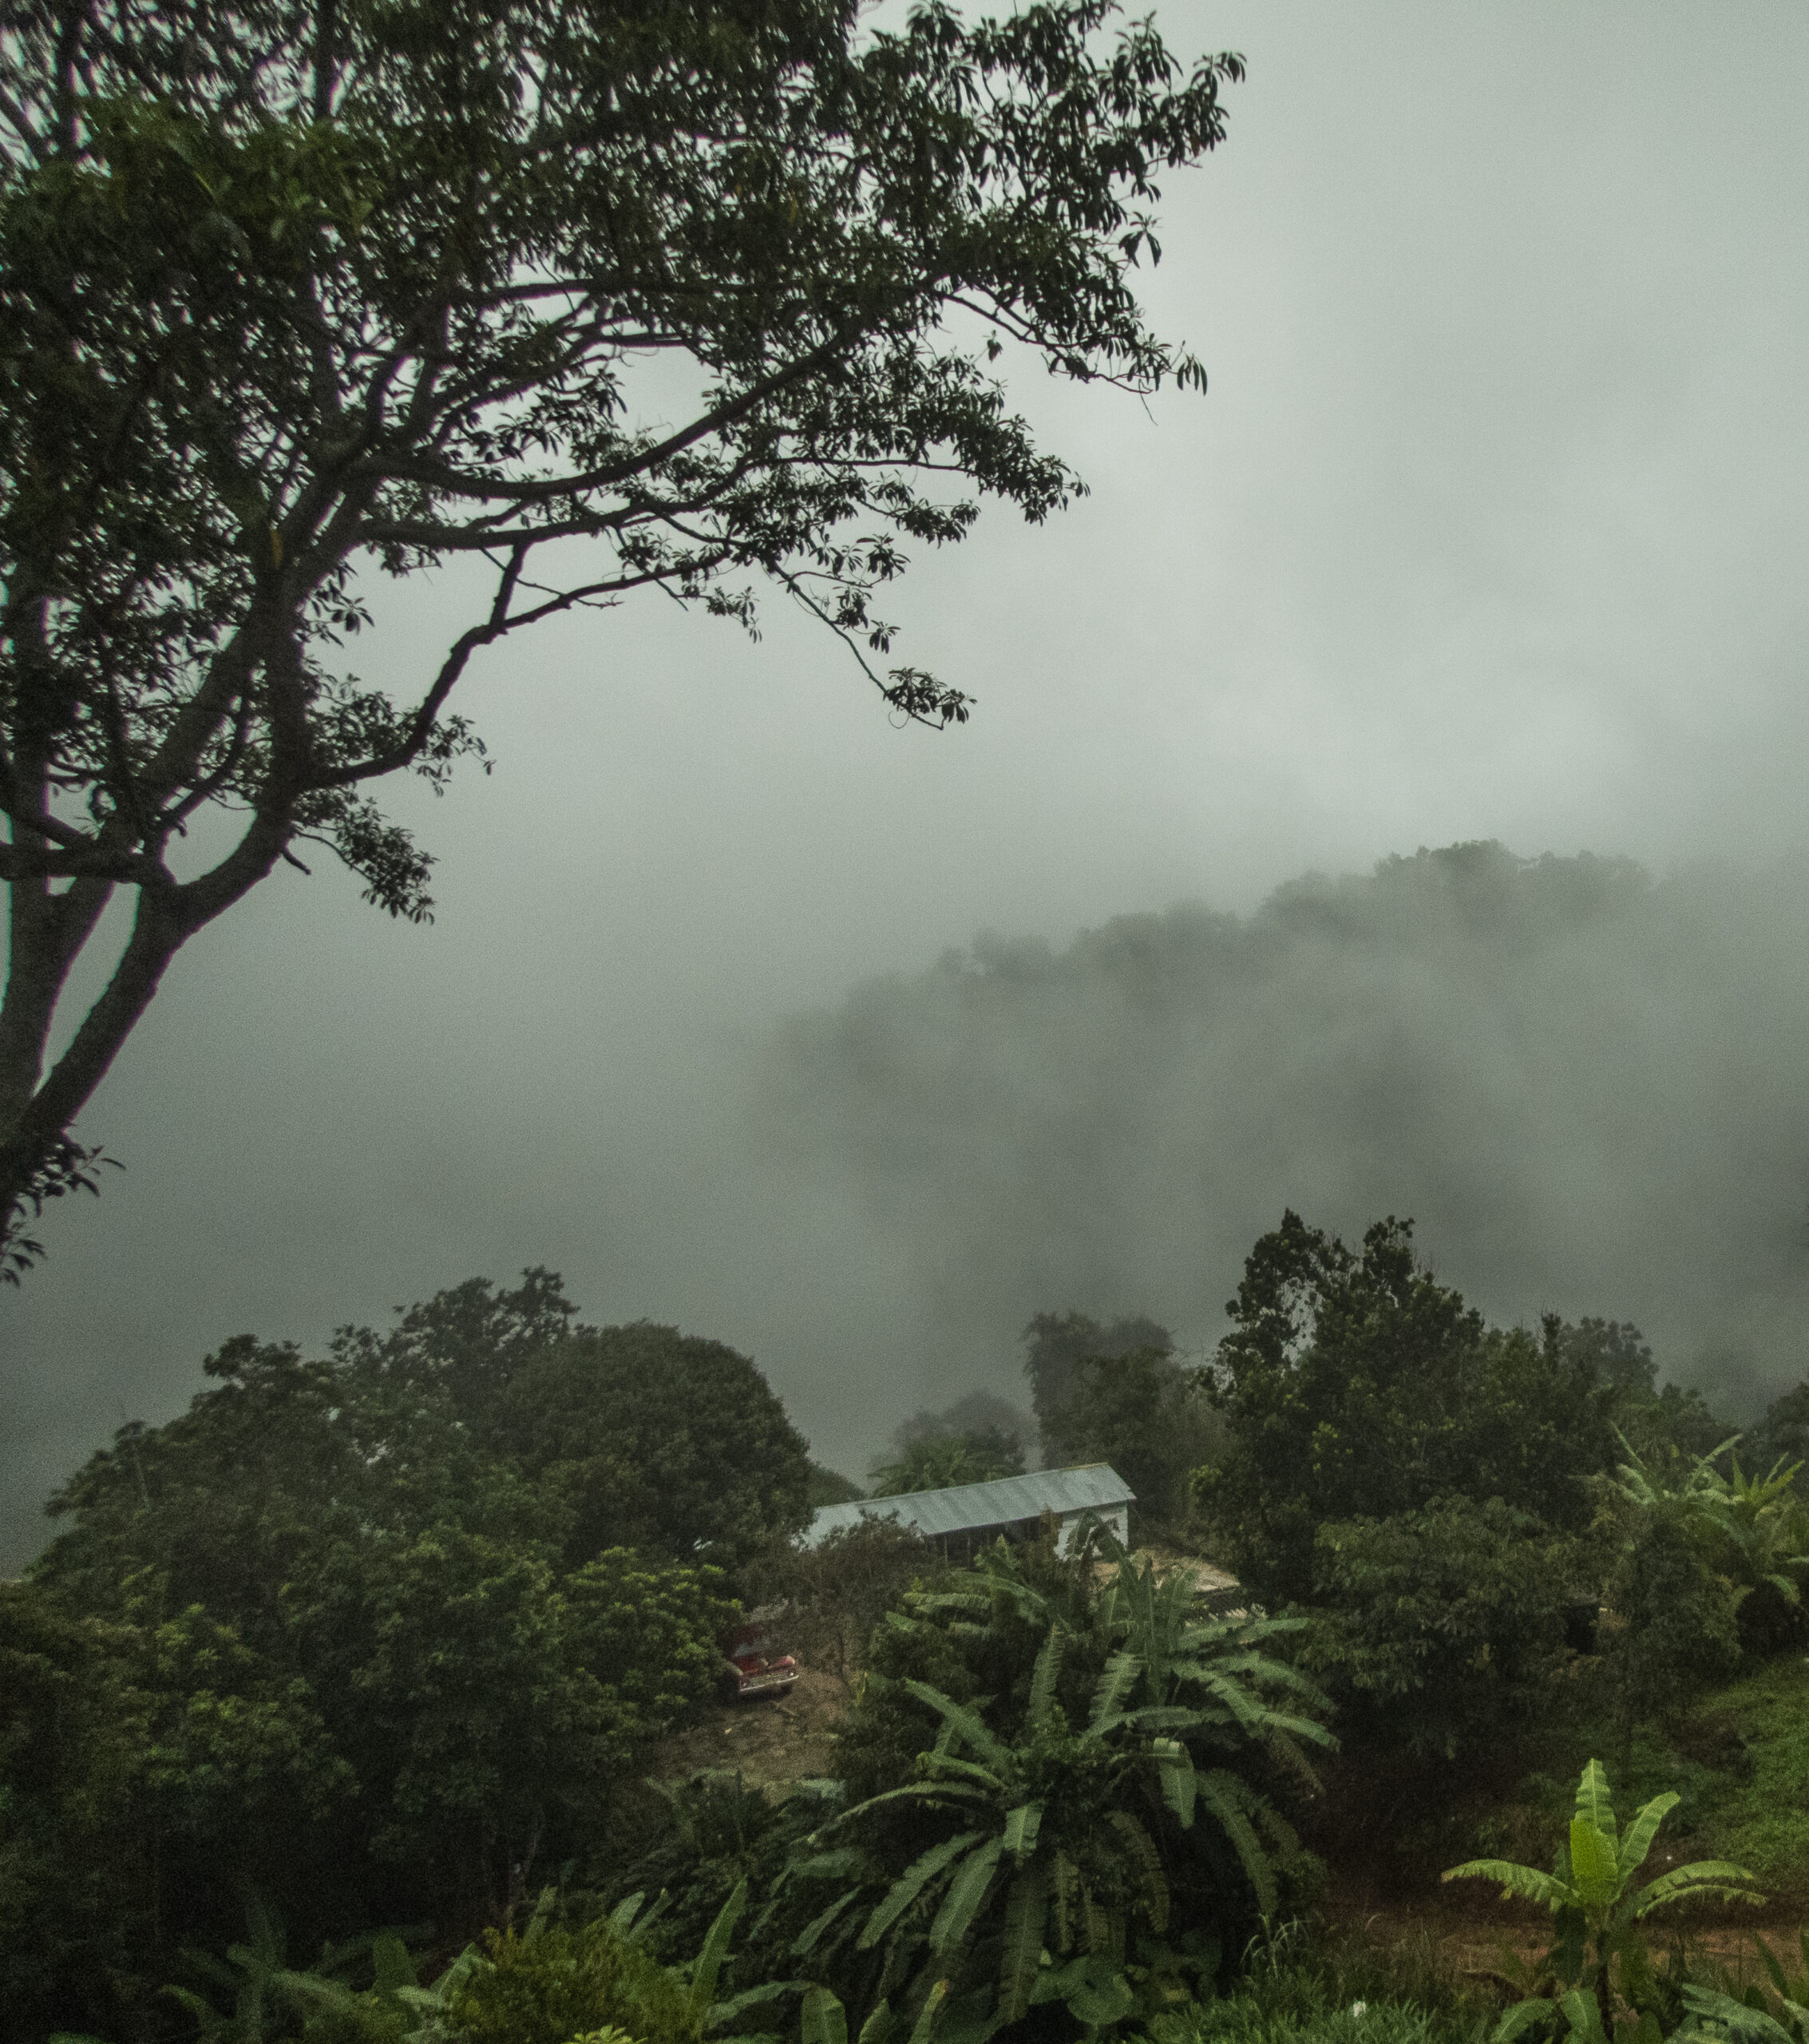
column 1492, row 524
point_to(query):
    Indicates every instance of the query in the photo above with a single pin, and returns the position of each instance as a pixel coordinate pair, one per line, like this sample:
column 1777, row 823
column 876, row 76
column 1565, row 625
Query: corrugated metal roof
column 966, row 1507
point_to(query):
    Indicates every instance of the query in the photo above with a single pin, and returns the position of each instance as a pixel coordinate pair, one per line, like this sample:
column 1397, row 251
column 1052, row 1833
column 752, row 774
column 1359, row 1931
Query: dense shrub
column 136, row 1760
column 1668, row 1624
column 325, row 1635
column 657, row 1440
column 1436, row 1630
column 552, row 1984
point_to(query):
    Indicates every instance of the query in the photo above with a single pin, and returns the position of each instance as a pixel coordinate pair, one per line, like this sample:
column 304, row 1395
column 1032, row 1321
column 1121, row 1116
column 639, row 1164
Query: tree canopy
column 1355, row 1385
column 1056, row 1346
column 297, row 293
column 657, row 1439
column 380, row 1630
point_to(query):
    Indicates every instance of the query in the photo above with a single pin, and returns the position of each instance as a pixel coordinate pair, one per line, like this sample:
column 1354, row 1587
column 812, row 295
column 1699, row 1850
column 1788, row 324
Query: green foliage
column 659, row 1440
column 1145, row 1415
column 718, row 1832
column 465, row 1696
column 1057, row 1343
column 1752, row 1531
column 1438, row 1629
column 268, row 1997
column 1668, row 1626
column 553, row 1983
column 464, row 1346
column 1357, row 1387
column 1783, row 1435
column 941, row 1461
column 1774, row 2010
column 1679, row 1535
column 1597, row 1907
column 1074, row 1832
column 135, row 1758
column 650, row 1630
column 325, row 1633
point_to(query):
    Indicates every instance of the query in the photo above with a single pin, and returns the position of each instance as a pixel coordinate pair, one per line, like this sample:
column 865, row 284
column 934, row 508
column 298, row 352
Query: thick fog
column 1591, row 1090
column 1491, row 526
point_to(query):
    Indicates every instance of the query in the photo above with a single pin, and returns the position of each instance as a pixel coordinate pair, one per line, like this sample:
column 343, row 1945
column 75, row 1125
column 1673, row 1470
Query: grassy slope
column 1739, row 1760
column 1746, row 1747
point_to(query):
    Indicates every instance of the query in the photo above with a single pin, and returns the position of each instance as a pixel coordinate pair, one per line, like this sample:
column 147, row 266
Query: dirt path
column 769, row 1742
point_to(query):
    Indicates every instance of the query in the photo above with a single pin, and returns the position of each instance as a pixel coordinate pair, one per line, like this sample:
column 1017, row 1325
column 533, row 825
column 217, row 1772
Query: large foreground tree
column 294, row 293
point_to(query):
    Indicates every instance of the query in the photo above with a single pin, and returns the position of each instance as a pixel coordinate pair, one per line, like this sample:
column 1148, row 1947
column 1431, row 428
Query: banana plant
column 1048, row 1828
column 1778, row 2016
column 1592, row 1895
column 1217, row 1665
column 267, row 1992
column 823, row 2020
column 1755, row 1527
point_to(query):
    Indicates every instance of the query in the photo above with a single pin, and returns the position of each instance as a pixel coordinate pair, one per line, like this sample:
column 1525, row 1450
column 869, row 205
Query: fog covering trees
column 1588, row 1085
column 293, row 294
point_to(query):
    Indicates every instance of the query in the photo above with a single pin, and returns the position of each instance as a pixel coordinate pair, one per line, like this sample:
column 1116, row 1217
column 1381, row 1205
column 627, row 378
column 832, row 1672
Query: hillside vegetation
column 398, row 1635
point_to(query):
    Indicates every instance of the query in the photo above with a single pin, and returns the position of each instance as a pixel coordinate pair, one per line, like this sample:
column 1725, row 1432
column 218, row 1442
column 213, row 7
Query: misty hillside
column 1589, row 1086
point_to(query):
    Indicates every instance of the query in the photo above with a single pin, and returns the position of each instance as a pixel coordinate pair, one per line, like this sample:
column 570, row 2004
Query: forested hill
column 1588, row 1085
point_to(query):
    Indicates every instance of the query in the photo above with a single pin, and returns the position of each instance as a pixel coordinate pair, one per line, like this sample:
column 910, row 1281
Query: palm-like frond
column 1520, row 2019
column 1733, row 2023
column 709, row 1962
column 1594, row 1804
column 1045, row 1673
column 1149, row 1885
column 1022, row 1825
column 1114, row 1684
column 910, row 1884
column 967, row 1895
column 931, row 2009
column 1703, row 1879
column 1517, row 1883
column 1021, row 1949
column 911, row 1792
column 1064, row 1894
column 1174, row 1766
column 807, row 1939
column 1640, row 1833
column 1224, row 1794
column 967, row 1724
column 1595, row 1866
column 944, row 1765
column 822, row 2019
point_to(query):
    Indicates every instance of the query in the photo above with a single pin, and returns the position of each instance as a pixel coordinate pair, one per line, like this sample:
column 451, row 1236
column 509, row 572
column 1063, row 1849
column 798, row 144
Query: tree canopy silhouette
column 294, row 293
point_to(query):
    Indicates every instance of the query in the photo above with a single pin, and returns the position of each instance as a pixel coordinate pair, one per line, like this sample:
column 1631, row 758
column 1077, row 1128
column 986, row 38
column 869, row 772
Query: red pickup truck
column 753, row 1664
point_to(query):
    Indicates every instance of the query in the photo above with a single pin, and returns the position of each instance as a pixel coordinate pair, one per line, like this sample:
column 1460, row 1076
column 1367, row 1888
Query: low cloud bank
column 1589, row 1088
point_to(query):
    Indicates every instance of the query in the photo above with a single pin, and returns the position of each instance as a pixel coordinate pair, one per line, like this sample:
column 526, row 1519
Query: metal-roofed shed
column 1010, row 1505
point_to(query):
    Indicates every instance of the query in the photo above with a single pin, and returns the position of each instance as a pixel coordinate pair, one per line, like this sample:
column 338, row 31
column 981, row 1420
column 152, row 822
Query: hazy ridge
column 1589, row 1086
